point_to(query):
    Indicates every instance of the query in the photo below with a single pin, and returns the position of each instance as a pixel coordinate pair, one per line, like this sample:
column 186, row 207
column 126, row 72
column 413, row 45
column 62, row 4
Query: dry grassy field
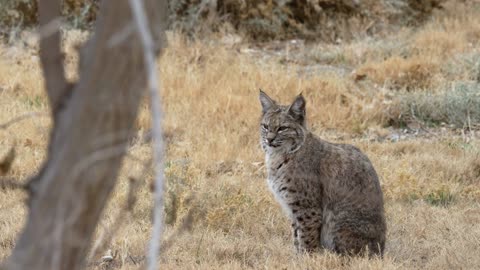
column 410, row 100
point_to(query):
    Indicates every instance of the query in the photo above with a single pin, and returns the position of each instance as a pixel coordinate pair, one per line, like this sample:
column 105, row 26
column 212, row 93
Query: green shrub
column 458, row 106
column 440, row 197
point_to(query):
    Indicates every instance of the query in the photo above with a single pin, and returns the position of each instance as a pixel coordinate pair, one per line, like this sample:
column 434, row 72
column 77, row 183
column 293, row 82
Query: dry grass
column 398, row 72
column 215, row 166
column 420, row 58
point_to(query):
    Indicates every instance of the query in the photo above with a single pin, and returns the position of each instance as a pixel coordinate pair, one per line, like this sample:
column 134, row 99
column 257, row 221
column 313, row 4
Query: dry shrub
column 402, row 73
column 454, row 30
column 18, row 12
column 441, row 51
column 437, row 43
column 327, row 20
column 82, row 13
column 24, row 13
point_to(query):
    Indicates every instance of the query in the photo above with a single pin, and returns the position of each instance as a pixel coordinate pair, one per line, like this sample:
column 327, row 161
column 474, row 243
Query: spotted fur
column 330, row 192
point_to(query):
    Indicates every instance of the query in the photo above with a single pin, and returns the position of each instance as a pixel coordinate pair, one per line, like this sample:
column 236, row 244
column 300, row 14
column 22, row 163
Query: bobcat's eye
column 283, row 128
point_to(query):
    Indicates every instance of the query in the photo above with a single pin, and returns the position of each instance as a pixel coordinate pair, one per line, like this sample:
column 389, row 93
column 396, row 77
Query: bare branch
column 51, row 56
column 50, row 28
column 69, row 193
column 121, row 36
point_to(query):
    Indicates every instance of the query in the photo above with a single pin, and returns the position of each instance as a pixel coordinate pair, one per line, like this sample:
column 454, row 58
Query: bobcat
column 330, row 192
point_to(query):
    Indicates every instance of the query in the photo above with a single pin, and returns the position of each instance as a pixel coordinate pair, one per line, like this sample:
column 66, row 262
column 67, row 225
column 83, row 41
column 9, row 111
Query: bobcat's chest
column 281, row 182
column 280, row 196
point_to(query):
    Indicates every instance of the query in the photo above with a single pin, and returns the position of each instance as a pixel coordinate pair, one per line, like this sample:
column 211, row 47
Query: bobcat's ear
column 297, row 109
column 266, row 101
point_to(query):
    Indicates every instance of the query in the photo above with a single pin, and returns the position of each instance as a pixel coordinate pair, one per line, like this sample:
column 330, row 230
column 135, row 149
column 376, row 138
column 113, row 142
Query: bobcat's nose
column 270, row 138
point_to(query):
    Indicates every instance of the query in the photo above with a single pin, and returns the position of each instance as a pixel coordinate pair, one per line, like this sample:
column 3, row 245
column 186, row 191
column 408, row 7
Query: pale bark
column 143, row 30
column 93, row 123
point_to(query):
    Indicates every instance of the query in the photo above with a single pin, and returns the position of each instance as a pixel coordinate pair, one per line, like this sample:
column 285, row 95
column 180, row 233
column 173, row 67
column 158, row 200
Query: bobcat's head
column 282, row 128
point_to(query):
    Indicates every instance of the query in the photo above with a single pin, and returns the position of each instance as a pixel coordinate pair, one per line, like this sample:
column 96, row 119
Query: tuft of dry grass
column 215, row 169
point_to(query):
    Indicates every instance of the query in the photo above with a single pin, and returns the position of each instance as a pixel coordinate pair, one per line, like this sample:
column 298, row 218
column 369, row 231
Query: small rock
column 108, row 257
column 394, row 137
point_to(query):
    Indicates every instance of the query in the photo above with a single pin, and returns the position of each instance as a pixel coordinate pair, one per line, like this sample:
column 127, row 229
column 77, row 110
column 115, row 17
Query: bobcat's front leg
column 295, row 236
column 307, row 229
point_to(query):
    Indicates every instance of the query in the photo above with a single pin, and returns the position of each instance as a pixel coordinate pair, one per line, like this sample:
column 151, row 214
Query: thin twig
column 10, row 184
column 140, row 18
column 21, row 118
column 98, row 156
column 121, row 36
column 50, row 28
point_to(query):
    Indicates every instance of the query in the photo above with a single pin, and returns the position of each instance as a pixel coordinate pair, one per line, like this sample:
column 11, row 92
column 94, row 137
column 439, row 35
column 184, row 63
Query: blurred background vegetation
column 327, row 20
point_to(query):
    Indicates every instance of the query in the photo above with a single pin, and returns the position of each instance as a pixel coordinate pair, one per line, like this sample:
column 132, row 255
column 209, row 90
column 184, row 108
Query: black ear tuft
column 266, row 101
column 297, row 109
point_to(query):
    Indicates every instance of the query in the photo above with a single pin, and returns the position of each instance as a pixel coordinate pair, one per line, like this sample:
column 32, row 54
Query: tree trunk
column 93, row 121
